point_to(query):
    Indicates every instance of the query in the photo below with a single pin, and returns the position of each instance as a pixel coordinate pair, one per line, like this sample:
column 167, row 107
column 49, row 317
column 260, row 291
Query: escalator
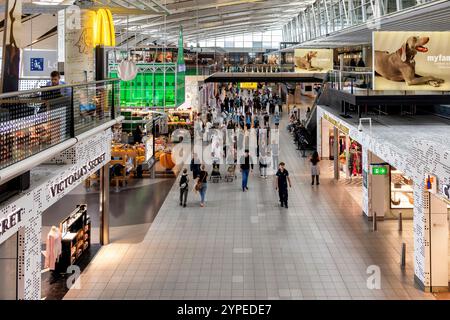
column 311, row 123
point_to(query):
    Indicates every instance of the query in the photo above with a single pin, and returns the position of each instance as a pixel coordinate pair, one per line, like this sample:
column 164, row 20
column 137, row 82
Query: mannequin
column 53, row 248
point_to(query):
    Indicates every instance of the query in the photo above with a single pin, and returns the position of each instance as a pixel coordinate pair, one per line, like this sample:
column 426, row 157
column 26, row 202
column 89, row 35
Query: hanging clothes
column 52, row 248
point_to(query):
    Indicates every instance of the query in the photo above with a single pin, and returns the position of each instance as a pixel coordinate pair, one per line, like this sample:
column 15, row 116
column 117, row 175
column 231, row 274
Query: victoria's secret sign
column 11, row 220
column 59, row 187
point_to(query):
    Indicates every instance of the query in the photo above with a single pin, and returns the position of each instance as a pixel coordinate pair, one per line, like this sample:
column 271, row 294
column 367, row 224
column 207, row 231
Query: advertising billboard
column 411, row 60
column 313, row 60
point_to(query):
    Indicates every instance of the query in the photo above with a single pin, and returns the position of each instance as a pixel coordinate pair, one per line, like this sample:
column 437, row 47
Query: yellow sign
column 249, row 85
column 104, row 29
column 337, row 124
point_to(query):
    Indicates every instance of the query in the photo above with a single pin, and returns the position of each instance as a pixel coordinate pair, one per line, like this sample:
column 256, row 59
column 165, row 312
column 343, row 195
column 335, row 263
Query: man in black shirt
column 282, row 184
column 246, row 164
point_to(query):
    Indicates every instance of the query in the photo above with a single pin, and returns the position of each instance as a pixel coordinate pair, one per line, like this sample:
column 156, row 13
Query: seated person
column 87, row 108
column 55, row 80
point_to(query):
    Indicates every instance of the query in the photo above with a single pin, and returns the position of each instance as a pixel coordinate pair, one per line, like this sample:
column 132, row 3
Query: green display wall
column 156, row 85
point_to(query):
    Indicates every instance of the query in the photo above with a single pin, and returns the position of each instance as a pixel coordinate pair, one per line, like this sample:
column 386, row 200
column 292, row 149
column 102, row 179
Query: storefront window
column 401, row 190
column 355, row 158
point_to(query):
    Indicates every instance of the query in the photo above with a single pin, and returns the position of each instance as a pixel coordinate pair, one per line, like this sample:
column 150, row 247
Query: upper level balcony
column 35, row 121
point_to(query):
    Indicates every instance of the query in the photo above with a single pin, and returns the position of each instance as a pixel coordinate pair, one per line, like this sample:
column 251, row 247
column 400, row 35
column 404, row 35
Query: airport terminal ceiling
column 143, row 22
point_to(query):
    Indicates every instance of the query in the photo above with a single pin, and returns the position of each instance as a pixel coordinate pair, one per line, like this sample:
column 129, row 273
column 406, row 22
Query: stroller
column 231, row 173
column 215, row 173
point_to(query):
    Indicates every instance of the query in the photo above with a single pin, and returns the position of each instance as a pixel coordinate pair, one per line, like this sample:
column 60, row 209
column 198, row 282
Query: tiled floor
column 243, row 246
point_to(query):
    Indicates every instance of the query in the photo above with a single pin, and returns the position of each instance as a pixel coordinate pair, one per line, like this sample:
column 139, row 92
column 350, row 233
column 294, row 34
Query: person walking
column 282, row 184
column 248, row 120
column 195, row 166
column 276, row 120
column 184, row 187
column 246, row 167
column 266, row 119
column 202, row 184
column 315, row 169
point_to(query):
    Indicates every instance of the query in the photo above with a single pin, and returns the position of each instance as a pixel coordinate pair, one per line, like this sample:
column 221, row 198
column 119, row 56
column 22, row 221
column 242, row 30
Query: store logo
column 11, row 220
column 439, row 58
column 59, row 187
column 104, row 33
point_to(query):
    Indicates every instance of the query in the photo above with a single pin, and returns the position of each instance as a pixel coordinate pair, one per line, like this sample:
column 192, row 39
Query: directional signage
column 379, row 171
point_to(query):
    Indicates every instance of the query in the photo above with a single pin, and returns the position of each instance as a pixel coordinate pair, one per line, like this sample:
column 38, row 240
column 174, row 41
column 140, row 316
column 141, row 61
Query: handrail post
column 374, row 222
column 403, row 259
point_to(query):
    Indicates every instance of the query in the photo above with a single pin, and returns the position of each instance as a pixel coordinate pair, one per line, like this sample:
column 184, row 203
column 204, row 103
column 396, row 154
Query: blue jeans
column 245, row 178
column 203, row 192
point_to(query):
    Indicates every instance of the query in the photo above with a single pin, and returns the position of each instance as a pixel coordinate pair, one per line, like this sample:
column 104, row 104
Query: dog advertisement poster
column 313, row 60
column 411, row 61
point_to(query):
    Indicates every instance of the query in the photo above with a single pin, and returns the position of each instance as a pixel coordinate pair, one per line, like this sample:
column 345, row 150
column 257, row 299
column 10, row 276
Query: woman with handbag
column 202, row 185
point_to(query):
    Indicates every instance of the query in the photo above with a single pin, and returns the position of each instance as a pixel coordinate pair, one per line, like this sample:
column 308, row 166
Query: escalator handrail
column 313, row 107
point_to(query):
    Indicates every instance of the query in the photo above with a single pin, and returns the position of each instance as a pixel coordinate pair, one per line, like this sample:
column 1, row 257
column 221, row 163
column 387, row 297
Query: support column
column 430, row 241
column 79, row 63
column 104, row 204
column 336, row 152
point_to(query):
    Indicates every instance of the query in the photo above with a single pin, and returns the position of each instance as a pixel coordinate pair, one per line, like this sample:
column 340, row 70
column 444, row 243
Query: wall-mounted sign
column 379, row 170
column 72, row 178
column 39, row 63
column 337, row 124
column 249, row 85
column 11, row 220
column 446, row 190
column 431, row 183
column 36, row 64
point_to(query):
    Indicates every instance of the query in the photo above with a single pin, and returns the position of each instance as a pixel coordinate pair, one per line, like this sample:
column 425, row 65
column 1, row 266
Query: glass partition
column 34, row 120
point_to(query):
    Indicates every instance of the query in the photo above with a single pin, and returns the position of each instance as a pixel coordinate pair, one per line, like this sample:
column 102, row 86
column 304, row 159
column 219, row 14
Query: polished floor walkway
column 244, row 246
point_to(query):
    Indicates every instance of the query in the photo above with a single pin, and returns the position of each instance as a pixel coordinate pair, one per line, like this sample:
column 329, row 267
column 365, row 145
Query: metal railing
column 256, row 68
column 32, row 83
column 34, row 120
column 200, row 70
column 350, row 80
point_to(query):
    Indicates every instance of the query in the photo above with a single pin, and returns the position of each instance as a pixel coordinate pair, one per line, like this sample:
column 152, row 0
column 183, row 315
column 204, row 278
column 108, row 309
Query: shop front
column 337, row 145
column 29, row 249
column 408, row 177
